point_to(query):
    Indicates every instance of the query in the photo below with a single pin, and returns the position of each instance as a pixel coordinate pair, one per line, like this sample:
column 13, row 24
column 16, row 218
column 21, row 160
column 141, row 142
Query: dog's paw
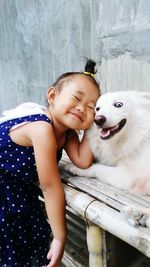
column 68, row 167
column 136, row 216
column 140, row 187
column 72, row 168
column 76, row 171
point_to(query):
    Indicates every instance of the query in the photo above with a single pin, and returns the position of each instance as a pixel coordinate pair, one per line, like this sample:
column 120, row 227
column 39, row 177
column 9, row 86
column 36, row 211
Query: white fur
column 24, row 109
column 124, row 159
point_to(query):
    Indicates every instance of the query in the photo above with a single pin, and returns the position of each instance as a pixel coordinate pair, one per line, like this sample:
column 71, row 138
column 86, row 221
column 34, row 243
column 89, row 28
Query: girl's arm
column 44, row 143
column 78, row 151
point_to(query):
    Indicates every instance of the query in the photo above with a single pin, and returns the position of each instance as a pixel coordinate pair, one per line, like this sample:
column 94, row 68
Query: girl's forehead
column 81, row 85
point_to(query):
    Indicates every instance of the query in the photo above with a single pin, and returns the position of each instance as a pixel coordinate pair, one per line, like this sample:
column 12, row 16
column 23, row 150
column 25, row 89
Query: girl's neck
column 59, row 129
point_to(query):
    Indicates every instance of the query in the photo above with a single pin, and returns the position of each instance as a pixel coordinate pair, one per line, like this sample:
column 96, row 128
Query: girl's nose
column 81, row 108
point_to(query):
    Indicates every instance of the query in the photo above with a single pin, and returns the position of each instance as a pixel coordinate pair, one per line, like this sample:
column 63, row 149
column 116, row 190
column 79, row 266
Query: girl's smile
column 75, row 101
column 77, row 115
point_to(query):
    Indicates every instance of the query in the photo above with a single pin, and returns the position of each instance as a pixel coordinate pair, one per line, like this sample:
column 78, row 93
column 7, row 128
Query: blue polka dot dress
column 24, row 230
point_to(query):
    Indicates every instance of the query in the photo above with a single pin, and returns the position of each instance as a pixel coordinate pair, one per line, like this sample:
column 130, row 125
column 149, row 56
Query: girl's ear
column 51, row 93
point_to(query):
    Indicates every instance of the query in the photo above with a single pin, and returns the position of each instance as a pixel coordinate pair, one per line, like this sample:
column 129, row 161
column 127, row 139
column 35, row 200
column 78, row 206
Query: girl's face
column 73, row 106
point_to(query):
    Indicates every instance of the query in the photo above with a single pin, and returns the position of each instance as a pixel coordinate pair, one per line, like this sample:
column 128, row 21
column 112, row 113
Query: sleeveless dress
column 24, row 230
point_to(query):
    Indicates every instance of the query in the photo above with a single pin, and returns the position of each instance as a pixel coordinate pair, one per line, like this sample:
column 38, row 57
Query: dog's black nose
column 99, row 120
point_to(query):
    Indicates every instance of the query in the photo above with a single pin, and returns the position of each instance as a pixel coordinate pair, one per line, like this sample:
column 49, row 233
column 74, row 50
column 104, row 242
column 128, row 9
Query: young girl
column 31, row 144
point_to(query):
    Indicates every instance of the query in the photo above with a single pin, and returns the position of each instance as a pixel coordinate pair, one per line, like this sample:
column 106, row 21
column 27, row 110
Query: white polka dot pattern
column 24, row 231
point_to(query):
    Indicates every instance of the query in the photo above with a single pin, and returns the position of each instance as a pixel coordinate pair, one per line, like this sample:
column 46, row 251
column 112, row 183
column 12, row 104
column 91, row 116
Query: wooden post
column 95, row 245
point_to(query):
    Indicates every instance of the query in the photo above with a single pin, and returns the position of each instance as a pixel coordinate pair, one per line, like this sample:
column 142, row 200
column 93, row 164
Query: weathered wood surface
column 101, row 205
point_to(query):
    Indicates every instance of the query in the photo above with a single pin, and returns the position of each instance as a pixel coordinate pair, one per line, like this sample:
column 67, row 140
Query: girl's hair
column 89, row 72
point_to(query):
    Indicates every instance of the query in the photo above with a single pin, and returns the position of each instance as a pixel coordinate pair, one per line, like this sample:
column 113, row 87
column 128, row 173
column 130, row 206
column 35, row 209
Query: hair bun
column 90, row 66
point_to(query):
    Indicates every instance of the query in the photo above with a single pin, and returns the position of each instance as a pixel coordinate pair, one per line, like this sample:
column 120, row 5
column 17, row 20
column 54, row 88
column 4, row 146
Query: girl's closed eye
column 91, row 107
column 77, row 98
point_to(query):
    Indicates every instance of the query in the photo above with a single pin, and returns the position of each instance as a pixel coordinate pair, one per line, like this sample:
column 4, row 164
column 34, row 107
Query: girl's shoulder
column 23, row 110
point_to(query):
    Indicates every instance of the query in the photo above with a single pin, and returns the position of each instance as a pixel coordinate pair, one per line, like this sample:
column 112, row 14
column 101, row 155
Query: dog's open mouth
column 106, row 133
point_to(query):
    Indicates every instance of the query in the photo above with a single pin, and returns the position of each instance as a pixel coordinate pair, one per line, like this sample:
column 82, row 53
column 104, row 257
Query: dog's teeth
column 105, row 133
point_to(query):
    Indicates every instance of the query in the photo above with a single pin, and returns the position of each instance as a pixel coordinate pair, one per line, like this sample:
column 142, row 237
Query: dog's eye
column 97, row 108
column 118, row 104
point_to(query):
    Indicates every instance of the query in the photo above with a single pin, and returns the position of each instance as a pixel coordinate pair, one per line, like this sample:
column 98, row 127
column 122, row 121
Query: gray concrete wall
column 40, row 39
column 123, row 43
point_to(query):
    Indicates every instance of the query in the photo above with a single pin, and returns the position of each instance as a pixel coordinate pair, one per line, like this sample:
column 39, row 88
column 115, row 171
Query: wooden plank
column 104, row 208
column 114, row 197
column 108, row 219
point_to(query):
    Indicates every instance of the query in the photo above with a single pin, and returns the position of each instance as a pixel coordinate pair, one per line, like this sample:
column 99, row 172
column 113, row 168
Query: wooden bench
column 100, row 205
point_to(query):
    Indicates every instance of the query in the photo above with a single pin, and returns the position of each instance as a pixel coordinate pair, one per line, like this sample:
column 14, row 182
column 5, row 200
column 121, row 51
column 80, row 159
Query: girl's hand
column 55, row 253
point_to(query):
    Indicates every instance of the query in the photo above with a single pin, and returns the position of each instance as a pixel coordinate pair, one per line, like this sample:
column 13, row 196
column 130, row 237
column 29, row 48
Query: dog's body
column 123, row 155
column 120, row 141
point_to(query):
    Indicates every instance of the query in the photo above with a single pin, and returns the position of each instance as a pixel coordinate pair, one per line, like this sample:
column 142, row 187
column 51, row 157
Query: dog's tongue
column 105, row 132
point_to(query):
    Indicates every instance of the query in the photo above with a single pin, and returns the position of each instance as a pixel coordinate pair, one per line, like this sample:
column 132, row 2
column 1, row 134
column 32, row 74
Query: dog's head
column 117, row 109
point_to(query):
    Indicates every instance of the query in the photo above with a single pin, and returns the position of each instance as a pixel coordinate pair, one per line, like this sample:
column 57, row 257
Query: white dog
column 120, row 141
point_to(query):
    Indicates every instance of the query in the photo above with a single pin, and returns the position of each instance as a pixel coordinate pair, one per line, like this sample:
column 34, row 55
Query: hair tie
column 89, row 73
